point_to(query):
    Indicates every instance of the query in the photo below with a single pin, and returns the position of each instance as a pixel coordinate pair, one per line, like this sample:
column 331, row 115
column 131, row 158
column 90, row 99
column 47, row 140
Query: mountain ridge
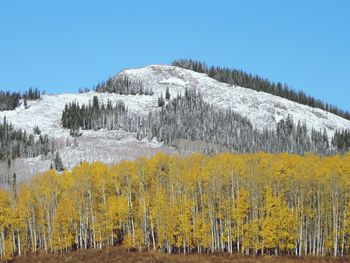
column 227, row 95
column 265, row 111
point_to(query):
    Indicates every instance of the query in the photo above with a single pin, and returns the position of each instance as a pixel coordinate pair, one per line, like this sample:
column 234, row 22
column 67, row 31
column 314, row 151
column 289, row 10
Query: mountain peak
column 264, row 110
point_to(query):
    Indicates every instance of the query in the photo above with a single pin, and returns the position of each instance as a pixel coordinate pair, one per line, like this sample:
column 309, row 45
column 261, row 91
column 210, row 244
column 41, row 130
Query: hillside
column 264, row 111
column 280, row 188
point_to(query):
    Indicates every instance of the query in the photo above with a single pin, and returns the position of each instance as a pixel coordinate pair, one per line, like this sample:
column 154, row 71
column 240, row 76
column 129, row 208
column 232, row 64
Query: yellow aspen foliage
column 279, row 226
column 64, row 225
column 201, row 233
column 128, row 241
column 240, row 214
column 117, row 212
column 6, row 249
column 251, row 237
column 237, row 203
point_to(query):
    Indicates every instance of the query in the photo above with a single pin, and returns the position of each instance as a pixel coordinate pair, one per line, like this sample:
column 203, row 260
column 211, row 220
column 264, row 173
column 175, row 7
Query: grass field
column 120, row 254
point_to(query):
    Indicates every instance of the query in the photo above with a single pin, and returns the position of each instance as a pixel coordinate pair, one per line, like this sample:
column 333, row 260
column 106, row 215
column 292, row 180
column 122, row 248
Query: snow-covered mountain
column 262, row 109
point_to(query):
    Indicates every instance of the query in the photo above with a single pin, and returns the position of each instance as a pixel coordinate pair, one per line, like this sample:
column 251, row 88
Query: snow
column 109, row 147
column 262, row 109
column 47, row 112
column 102, row 145
column 174, row 81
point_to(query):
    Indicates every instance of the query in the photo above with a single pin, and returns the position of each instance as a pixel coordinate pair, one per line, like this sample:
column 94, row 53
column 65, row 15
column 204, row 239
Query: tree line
column 15, row 143
column 124, row 86
column 246, row 80
column 189, row 118
column 11, row 100
column 235, row 203
column 94, row 116
column 32, row 94
column 341, row 140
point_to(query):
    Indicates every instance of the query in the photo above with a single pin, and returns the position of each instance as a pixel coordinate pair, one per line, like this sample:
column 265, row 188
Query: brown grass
column 120, row 254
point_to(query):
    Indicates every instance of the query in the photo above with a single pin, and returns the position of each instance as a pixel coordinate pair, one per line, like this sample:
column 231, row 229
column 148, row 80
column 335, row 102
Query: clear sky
column 60, row 46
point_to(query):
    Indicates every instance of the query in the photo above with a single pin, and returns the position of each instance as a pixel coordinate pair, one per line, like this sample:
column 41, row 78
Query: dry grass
column 120, row 254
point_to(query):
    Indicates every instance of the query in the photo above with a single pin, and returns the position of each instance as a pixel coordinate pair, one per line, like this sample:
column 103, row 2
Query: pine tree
column 167, row 94
column 161, row 101
column 36, row 130
column 243, row 79
column 58, row 163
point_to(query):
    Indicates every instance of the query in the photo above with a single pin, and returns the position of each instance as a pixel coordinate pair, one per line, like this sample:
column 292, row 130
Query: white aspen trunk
column 153, row 237
column 80, row 231
column 49, row 229
column 34, row 229
column 2, row 247
column 19, row 244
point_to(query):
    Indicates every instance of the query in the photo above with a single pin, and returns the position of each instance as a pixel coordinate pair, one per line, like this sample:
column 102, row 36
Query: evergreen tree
column 36, row 130
column 16, row 143
column 243, row 79
column 25, row 103
column 161, row 101
column 8, row 100
column 167, row 94
column 123, row 85
column 58, row 163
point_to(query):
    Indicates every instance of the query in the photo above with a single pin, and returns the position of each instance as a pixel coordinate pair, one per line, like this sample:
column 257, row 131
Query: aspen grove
column 234, row 203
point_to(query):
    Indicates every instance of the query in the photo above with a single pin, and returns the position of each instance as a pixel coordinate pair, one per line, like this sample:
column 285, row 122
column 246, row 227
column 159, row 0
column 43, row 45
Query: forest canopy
column 237, row 203
column 189, row 118
column 246, row 80
column 11, row 100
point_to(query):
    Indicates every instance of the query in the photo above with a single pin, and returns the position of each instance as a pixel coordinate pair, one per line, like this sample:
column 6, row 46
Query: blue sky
column 60, row 46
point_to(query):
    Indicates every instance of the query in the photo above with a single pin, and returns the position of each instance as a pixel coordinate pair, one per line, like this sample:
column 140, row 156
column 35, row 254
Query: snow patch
column 173, row 81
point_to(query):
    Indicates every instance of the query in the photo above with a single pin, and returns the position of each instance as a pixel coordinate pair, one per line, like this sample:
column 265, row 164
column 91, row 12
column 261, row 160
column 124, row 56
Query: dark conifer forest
column 246, row 80
column 189, row 118
column 123, row 86
column 11, row 100
column 17, row 143
column 94, row 116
